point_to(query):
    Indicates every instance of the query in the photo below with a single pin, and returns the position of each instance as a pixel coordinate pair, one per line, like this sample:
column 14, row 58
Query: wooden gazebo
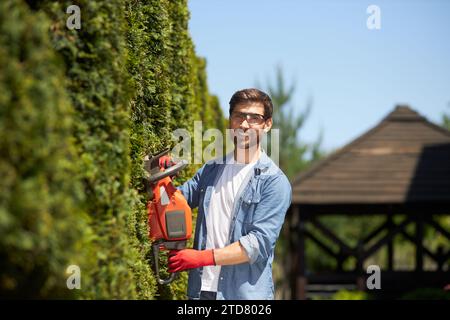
column 399, row 167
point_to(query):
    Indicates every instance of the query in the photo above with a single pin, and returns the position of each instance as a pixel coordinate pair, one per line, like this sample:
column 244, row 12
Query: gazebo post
column 390, row 245
column 293, row 227
column 360, row 283
column 301, row 281
column 419, row 243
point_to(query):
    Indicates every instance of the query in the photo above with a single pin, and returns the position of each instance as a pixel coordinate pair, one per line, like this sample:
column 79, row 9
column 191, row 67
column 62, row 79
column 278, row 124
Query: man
column 242, row 203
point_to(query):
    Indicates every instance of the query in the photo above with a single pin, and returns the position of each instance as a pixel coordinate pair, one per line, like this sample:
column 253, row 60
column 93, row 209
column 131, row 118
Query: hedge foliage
column 42, row 225
column 128, row 78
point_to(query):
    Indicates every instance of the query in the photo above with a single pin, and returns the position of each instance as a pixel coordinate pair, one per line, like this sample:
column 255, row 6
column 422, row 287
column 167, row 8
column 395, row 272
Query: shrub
column 42, row 225
column 427, row 294
column 349, row 295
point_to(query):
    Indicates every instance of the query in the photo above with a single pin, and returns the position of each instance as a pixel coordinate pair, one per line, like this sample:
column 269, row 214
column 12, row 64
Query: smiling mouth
column 241, row 133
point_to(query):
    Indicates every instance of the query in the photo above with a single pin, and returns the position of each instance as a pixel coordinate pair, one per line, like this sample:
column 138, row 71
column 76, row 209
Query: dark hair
column 250, row 96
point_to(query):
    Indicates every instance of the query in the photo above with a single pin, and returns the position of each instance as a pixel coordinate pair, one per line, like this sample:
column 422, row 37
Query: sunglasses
column 252, row 118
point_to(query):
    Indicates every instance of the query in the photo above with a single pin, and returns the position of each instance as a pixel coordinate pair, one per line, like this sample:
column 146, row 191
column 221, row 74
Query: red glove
column 180, row 260
column 165, row 162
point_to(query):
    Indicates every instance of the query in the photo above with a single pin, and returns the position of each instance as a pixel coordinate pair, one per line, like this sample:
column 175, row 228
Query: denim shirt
column 259, row 210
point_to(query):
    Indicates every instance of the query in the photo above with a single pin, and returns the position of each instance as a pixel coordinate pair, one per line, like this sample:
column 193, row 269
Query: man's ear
column 268, row 125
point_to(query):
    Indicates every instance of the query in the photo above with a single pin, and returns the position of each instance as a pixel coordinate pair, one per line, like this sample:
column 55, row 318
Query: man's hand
column 180, row 260
column 166, row 162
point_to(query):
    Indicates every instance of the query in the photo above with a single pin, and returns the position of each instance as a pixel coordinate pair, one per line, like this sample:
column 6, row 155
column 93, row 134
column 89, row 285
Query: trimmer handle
column 171, row 171
column 156, row 258
column 175, row 245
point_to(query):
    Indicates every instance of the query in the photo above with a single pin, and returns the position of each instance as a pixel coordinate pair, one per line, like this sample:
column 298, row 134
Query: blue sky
column 354, row 76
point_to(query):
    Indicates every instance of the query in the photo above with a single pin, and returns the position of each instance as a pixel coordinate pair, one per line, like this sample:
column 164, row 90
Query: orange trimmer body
column 169, row 214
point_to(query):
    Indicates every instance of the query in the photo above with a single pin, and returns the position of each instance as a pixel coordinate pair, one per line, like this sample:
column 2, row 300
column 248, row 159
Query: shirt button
column 221, row 278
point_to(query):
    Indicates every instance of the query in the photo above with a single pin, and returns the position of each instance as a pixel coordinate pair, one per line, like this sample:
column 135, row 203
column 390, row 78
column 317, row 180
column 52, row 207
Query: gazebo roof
column 405, row 159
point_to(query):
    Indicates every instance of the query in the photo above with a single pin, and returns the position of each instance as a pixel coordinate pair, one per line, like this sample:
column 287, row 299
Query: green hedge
column 95, row 58
column 42, row 226
column 165, row 75
column 128, row 78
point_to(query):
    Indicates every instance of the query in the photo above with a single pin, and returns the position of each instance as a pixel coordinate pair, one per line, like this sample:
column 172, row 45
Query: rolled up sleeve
column 251, row 246
column 268, row 218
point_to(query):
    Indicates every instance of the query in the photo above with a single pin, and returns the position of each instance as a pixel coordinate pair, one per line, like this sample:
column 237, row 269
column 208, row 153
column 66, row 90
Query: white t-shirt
column 218, row 218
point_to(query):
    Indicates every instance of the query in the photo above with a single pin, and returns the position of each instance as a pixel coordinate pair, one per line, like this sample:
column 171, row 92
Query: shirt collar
column 262, row 163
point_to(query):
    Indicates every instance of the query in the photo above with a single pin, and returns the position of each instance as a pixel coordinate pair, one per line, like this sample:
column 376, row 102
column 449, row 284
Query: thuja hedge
column 168, row 94
column 43, row 229
column 128, row 78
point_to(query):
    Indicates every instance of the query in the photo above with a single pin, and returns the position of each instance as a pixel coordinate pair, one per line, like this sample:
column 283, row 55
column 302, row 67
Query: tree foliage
column 294, row 154
column 446, row 120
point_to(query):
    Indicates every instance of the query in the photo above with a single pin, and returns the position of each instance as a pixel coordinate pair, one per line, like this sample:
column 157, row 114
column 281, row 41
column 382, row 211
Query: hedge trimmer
column 169, row 215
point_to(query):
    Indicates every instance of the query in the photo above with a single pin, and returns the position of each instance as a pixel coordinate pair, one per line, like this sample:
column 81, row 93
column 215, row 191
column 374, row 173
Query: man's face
column 248, row 125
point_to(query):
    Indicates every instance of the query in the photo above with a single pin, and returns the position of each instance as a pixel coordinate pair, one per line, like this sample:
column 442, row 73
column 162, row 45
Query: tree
column 293, row 152
column 446, row 120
